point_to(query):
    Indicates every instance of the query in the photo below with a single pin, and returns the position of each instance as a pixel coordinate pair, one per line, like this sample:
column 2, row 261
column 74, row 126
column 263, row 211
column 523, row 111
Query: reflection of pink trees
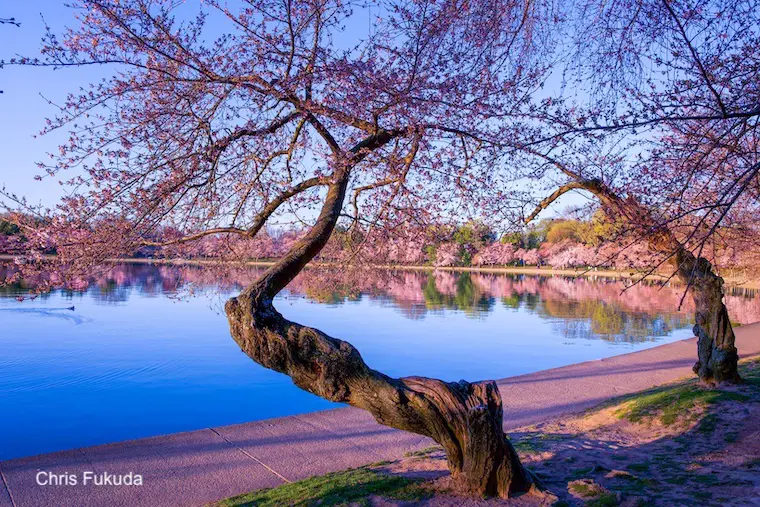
column 407, row 288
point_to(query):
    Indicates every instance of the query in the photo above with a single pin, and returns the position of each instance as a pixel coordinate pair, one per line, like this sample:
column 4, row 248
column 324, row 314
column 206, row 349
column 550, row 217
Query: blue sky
column 22, row 108
column 24, row 104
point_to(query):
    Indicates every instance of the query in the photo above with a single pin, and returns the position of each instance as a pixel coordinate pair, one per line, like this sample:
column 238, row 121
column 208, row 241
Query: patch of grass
column 587, row 489
column 550, row 437
column 708, row 424
column 350, row 487
column 750, row 372
column 583, row 489
column 603, row 500
column 423, row 452
column 534, row 443
column 639, row 467
column 707, row 480
column 525, row 446
column 669, row 403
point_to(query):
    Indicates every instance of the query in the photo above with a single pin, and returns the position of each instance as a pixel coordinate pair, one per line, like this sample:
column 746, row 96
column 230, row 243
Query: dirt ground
column 682, row 447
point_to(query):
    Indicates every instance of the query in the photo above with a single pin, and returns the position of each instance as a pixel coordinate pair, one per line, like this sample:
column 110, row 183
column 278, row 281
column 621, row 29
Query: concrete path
column 198, row 467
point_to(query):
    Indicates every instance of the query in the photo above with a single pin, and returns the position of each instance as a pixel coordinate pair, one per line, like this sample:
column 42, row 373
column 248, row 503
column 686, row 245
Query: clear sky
column 24, row 105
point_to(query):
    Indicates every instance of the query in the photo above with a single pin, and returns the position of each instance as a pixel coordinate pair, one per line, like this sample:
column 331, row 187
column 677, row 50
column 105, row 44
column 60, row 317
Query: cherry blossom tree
column 447, row 254
column 497, row 253
column 287, row 116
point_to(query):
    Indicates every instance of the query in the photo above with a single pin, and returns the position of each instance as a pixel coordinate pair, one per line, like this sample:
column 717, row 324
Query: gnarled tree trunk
column 718, row 358
column 465, row 418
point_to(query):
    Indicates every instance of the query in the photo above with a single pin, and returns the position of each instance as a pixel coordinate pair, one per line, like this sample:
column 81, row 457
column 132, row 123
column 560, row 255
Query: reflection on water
column 134, row 359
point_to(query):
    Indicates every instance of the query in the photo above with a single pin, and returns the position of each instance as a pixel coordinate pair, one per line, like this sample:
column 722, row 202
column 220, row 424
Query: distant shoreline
column 731, row 279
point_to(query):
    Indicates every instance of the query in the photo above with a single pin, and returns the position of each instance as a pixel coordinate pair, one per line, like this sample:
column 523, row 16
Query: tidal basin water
column 138, row 355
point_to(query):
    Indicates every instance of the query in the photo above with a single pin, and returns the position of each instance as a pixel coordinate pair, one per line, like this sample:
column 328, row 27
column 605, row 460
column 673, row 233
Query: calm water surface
column 132, row 359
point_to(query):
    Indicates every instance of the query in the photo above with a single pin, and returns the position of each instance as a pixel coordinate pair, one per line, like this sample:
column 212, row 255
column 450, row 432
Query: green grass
column 750, row 372
column 670, row 403
column 534, row 443
column 340, row 488
column 639, row 467
column 603, row 500
column 594, row 495
column 525, row 446
column 423, row 452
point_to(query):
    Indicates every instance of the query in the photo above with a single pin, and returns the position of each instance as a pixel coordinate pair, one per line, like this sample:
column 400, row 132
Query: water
column 132, row 359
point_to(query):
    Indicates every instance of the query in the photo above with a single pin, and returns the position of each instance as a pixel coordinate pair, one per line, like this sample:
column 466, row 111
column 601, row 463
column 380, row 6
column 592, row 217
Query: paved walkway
column 201, row 466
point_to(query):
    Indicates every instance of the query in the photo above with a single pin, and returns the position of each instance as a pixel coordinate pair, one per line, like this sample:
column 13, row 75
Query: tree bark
column 465, row 418
column 718, row 358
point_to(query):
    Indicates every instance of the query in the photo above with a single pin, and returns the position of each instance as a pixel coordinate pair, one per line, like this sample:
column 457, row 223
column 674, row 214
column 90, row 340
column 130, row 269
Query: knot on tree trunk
column 464, row 418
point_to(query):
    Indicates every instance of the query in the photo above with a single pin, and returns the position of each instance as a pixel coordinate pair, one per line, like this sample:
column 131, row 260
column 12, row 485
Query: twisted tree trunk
column 718, row 358
column 465, row 418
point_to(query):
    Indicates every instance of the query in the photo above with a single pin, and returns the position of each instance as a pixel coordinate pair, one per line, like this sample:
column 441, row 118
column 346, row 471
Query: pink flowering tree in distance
column 220, row 122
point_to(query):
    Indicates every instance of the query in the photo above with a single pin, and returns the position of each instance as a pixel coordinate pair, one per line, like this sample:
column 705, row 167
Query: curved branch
column 222, row 144
column 280, row 274
column 258, row 222
column 546, row 202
